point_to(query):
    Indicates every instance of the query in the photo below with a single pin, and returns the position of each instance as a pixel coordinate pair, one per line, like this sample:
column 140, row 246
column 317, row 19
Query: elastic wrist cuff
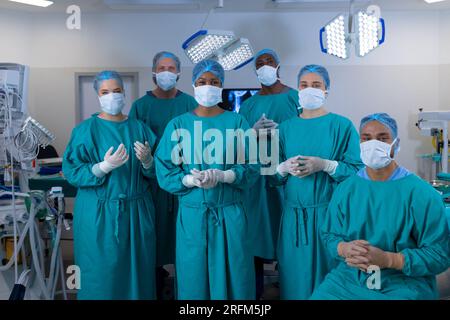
column 97, row 171
column 229, row 176
column 330, row 167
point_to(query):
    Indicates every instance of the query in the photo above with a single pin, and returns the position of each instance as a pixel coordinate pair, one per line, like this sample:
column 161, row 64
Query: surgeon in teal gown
column 385, row 227
column 208, row 173
column 272, row 105
column 109, row 160
column 318, row 150
column 156, row 109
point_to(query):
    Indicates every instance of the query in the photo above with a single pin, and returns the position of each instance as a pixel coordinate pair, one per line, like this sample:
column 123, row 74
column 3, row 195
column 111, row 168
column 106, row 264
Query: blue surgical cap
column 384, row 119
column 314, row 68
column 267, row 51
column 107, row 75
column 208, row 66
column 164, row 55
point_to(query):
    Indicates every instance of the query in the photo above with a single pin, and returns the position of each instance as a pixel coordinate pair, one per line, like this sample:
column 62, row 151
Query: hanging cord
column 8, row 116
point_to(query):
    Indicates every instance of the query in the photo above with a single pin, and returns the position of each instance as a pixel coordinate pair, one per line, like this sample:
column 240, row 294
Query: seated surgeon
column 385, row 225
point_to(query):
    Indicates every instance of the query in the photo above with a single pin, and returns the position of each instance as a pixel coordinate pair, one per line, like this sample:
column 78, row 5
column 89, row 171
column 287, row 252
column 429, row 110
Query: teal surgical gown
column 405, row 215
column 264, row 201
column 212, row 246
column 114, row 232
column 303, row 260
column 156, row 113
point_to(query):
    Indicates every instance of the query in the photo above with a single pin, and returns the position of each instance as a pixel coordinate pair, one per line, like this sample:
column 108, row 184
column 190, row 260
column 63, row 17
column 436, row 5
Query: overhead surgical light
column 368, row 33
column 336, row 38
column 203, row 44
column 364, row 31
column 222, row 46
column 236, row 55
column 39, row 3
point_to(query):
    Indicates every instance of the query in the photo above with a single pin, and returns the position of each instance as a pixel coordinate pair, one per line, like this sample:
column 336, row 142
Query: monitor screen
column 233, row 98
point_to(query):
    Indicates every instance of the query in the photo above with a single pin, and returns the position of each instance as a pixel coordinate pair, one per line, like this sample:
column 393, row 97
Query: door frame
column 78, row 75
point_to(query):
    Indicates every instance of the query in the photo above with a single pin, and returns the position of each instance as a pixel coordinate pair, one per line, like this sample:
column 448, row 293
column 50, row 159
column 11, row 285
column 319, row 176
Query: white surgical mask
column 267, row 75
column 112, row 103
column 166, row 80
column 208, row 96
column 376, row 154
column 311, row 98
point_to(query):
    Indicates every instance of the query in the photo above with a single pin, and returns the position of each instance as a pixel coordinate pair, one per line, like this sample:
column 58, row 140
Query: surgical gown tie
column 301, row 218
column 209, row 208
column 120, row 207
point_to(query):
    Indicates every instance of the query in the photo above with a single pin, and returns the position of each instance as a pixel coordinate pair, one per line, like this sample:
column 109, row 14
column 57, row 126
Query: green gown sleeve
column 169, row 175
column 332, row 229
column 133, row 111
column 432, row 255
column 248, row 172
column 151, row 138
column 77, row 163
column 276, row 179
column 350, row 161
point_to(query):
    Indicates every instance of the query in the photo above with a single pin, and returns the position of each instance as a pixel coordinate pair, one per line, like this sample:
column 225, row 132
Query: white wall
column 412, row 69
column 444, row 60
column 15, row 40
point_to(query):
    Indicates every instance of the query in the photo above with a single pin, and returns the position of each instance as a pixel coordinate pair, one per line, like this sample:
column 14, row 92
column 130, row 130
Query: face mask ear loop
column 394, row 146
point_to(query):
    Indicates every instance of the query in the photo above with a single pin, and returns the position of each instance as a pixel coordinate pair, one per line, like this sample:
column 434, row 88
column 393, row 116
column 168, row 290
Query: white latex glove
column 190, row 181
column 114, row 161
column 264, row 123
column 221, row 176
column 144, row 154
column 228, row 176
column 208, row 178
column 288, row 167
column 311, row 165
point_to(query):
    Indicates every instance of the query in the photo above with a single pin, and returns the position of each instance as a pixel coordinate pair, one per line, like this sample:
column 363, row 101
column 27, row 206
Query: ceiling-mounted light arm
column 351, row 12
column 220, row 5
column 374, row 10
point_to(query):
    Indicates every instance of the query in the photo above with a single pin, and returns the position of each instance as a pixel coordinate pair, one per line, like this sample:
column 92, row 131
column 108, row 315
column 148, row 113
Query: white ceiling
column 101, row 6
